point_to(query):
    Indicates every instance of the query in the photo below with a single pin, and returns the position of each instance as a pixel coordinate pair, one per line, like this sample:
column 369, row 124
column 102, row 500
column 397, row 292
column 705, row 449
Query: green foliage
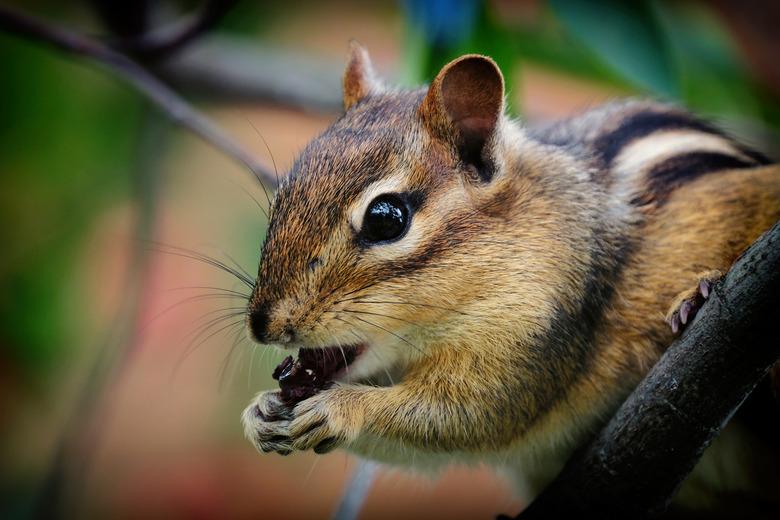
column 669, row 50
column 710, row 72
column 424, row 58
column 66, row 140
column 626, row 36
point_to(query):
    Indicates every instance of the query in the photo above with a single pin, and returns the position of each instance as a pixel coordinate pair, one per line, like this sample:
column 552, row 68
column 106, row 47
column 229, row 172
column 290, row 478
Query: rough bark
column 636, row 464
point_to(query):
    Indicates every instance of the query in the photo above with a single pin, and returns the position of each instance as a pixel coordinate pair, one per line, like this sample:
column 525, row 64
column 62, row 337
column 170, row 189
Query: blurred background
column 123, row 367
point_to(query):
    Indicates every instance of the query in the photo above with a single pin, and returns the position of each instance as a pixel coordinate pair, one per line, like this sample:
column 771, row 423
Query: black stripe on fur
column 643, row 124
column 665, row 177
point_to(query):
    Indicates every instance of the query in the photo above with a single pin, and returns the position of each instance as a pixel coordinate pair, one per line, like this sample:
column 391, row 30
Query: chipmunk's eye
column 387, row 218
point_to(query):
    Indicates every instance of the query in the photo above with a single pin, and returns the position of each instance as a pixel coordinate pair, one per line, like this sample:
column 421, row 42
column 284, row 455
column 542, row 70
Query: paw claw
column 685, row 311
column 675, row 323
column 688, row 303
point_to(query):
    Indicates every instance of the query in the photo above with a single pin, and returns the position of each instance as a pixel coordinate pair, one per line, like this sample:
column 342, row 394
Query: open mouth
column 313, row 371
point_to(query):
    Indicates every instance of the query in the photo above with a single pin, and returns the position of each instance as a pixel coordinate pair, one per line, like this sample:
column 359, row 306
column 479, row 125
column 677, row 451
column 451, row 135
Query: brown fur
column 528, row 296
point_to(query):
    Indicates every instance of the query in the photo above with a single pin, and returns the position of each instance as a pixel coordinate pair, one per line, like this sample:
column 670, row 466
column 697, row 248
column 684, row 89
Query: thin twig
column 356, row 491
column 170, row 103
column 238, row 68
column 160, row 43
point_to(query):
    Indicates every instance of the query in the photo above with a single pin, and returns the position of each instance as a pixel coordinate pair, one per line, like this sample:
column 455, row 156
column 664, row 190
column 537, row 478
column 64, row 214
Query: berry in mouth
column 313, row 371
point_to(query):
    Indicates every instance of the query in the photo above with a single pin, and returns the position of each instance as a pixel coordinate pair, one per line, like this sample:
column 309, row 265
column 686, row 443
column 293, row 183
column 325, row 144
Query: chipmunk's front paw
column 325, row 421
column 267, row 423
column 322, row 422
column 688, row 303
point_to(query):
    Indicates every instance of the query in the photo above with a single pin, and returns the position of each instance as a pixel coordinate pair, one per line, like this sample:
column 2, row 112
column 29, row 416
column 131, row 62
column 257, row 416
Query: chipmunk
column 462, row 288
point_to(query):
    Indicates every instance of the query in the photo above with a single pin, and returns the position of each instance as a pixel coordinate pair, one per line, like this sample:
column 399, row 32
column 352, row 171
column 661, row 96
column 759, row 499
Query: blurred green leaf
column 424, row 57
column 626, row 36
column 65, row 137
column 712, row 76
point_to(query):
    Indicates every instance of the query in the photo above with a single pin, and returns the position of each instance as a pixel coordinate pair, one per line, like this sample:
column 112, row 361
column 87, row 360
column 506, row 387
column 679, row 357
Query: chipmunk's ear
column 359, row 77
column 464, row 104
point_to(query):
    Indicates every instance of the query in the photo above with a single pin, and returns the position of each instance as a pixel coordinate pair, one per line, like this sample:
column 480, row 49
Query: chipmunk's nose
column 258, row 325
column 260, row 328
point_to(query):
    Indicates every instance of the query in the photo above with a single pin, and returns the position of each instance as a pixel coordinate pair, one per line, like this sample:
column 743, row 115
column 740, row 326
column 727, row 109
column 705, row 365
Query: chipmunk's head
column 386, row 235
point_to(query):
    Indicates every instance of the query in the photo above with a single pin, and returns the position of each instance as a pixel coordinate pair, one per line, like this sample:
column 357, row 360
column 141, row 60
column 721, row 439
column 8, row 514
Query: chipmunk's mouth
column 314, row 370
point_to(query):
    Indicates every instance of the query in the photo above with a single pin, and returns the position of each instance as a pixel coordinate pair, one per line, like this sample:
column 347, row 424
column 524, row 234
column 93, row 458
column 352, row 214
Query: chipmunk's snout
column 258, row 322
column 258, row 325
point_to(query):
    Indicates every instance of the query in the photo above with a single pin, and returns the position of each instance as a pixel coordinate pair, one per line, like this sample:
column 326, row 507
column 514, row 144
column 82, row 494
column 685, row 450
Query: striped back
column 644, row 150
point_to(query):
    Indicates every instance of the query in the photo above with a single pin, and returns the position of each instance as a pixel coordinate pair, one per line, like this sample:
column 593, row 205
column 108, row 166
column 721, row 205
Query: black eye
column 386, row 219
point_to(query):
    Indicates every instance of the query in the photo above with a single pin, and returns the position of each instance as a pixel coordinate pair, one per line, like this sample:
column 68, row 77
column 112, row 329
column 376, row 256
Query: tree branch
column 170, row 103
column 160, row 43
column 637, row 463
column 237, row 68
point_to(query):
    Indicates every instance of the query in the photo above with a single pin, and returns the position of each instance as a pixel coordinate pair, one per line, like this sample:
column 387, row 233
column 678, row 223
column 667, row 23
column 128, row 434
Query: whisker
column 380, row 315
column 417, row 304
column 276, row 172
column 330, row 293
column 264, row 351
column 344, row 356
column 254, row 199
column 201, row 342
column 374, row 351
column 270, row 153
column 203, row 328
column 362, row 288
column 239, row 267
column 315, row 461
column 217, row 264
column 191, row 299
column 210, row 288
column 384, row 365
column 346, row 364
column 483, row 317
column 231, row 310
column 201, row 257
column 226, row 311
column 226, row 360
column 390, row 332
column 414, row 304
column 252, row 356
